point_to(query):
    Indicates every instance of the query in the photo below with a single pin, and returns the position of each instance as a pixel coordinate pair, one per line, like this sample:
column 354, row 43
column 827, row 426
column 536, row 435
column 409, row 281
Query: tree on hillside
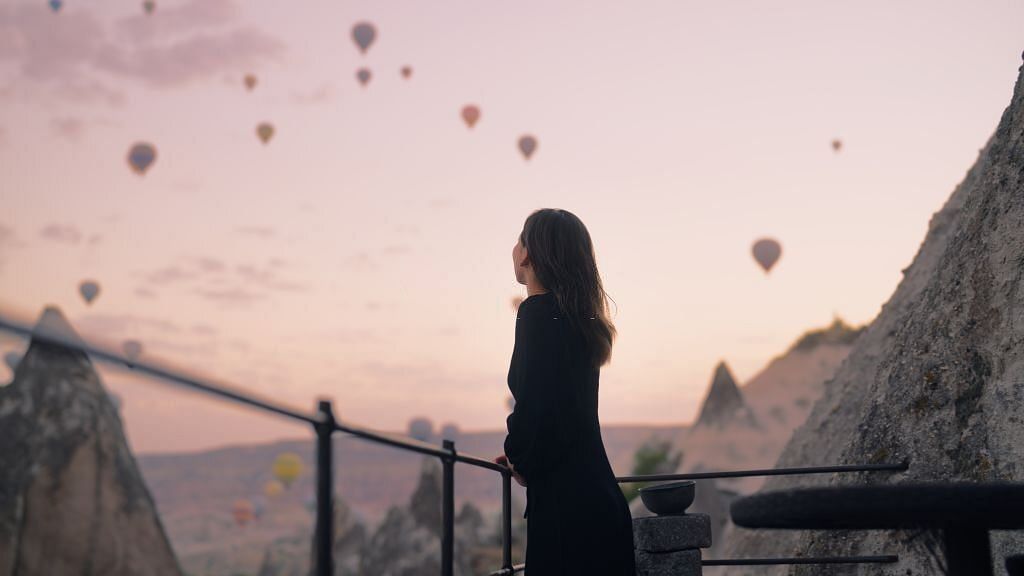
column 652, row 457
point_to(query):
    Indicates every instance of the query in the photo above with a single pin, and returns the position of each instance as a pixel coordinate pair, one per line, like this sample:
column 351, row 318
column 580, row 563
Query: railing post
column 506, row 521
column 324, row 491
column 448, row 511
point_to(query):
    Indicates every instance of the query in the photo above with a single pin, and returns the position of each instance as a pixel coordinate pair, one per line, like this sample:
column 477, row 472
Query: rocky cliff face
column 72, row 500
column 938, row 377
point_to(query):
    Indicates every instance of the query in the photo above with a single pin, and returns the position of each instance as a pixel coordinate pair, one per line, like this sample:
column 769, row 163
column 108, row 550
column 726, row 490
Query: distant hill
column 194, row 492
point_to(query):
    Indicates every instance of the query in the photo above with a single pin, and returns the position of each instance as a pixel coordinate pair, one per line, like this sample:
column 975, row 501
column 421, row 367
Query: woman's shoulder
column 538, row 306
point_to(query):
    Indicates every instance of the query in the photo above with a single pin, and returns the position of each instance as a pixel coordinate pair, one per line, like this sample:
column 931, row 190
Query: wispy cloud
column 77, row 57
column 168, row 274
column 320, row 95
column 67, row 127
column 229, row 296
column 261, row 231
column 122, row 324
column 64, row 233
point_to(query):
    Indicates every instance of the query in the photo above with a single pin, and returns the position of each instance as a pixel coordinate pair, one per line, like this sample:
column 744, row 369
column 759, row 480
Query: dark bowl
column 669, row 498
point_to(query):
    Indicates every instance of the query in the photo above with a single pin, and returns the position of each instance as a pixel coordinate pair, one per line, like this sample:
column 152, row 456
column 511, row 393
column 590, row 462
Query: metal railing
column 325, row 424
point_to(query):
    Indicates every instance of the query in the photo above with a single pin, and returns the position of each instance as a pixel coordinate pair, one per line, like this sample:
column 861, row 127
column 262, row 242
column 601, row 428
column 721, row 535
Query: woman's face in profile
column 518, row 253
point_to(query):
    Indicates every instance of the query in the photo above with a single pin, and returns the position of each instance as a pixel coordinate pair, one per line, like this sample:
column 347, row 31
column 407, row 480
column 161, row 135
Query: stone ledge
column 671, row 533
column 679, row 563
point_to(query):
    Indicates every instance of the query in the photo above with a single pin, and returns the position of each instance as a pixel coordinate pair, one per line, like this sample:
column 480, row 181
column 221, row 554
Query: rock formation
column 724, row 403
column 938, row 376
column 72, row 500
column 779, row 397
column 408, row 541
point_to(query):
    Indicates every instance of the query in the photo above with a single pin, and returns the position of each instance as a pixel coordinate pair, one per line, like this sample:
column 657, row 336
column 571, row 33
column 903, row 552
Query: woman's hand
column 503, row 460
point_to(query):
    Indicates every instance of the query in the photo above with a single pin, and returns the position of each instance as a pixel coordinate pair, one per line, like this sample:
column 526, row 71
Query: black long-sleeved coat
column 578, row 521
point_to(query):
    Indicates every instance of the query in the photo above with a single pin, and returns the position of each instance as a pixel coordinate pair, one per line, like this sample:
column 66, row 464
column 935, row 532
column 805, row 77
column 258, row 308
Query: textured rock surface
column 668, row 533
column 938, row 377
column 681, row 563
column 72, row 500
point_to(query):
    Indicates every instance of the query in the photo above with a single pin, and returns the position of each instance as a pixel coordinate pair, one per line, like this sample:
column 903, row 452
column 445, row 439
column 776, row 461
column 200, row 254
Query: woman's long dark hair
column 563, row 259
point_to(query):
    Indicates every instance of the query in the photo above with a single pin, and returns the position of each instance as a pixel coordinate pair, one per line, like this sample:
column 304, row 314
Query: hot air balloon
column 243, row 511
column 470, row 114
column 527, row 146
column 364, row 34
column 132, row 349
column 421, row 428
column 250, row 81
column 767, row 251
column 141, row 157
column 265, row 131
column 55, row 5
column 273, row 488
column 450, row 431
column 837, row 144
column 406, row 72
column 89, row 289
column 364, row 75
column 12, row 359
column 148, row 6
column 287, row 467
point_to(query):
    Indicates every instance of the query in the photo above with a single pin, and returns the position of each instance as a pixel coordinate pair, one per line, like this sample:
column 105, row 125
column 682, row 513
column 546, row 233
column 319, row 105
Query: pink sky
column 364, row 254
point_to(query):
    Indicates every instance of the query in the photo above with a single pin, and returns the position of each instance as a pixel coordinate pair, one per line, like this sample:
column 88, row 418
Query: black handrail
column 887, row 559
column 897, row 467
column 325, row 425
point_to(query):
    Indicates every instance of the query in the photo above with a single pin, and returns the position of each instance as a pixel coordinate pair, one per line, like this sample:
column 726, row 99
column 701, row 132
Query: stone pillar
column 669, row 545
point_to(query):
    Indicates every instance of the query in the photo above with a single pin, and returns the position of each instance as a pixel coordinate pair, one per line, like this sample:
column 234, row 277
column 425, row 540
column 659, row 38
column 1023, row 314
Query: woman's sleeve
column 535, row 394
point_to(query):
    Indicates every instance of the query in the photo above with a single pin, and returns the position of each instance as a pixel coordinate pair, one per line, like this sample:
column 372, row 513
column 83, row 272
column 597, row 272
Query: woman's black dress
column 578, row 521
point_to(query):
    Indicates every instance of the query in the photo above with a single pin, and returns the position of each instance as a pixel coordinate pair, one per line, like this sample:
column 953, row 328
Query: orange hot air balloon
column 470, row 114
column 273, row 488
column 527, row 146
column 837, row 145
column 767, row 251
column 243, row 511
column 250, row 81
column 265, row 131
column 406, row 72
column 364, row 75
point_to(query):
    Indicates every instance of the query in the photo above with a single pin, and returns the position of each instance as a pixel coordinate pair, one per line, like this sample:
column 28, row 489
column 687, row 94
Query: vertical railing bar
column 506, row 521
column 448, row 511
column 324, row 491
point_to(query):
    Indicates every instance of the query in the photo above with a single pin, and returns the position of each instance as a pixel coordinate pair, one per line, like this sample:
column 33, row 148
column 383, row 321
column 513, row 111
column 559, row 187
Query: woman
column 578, row 521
